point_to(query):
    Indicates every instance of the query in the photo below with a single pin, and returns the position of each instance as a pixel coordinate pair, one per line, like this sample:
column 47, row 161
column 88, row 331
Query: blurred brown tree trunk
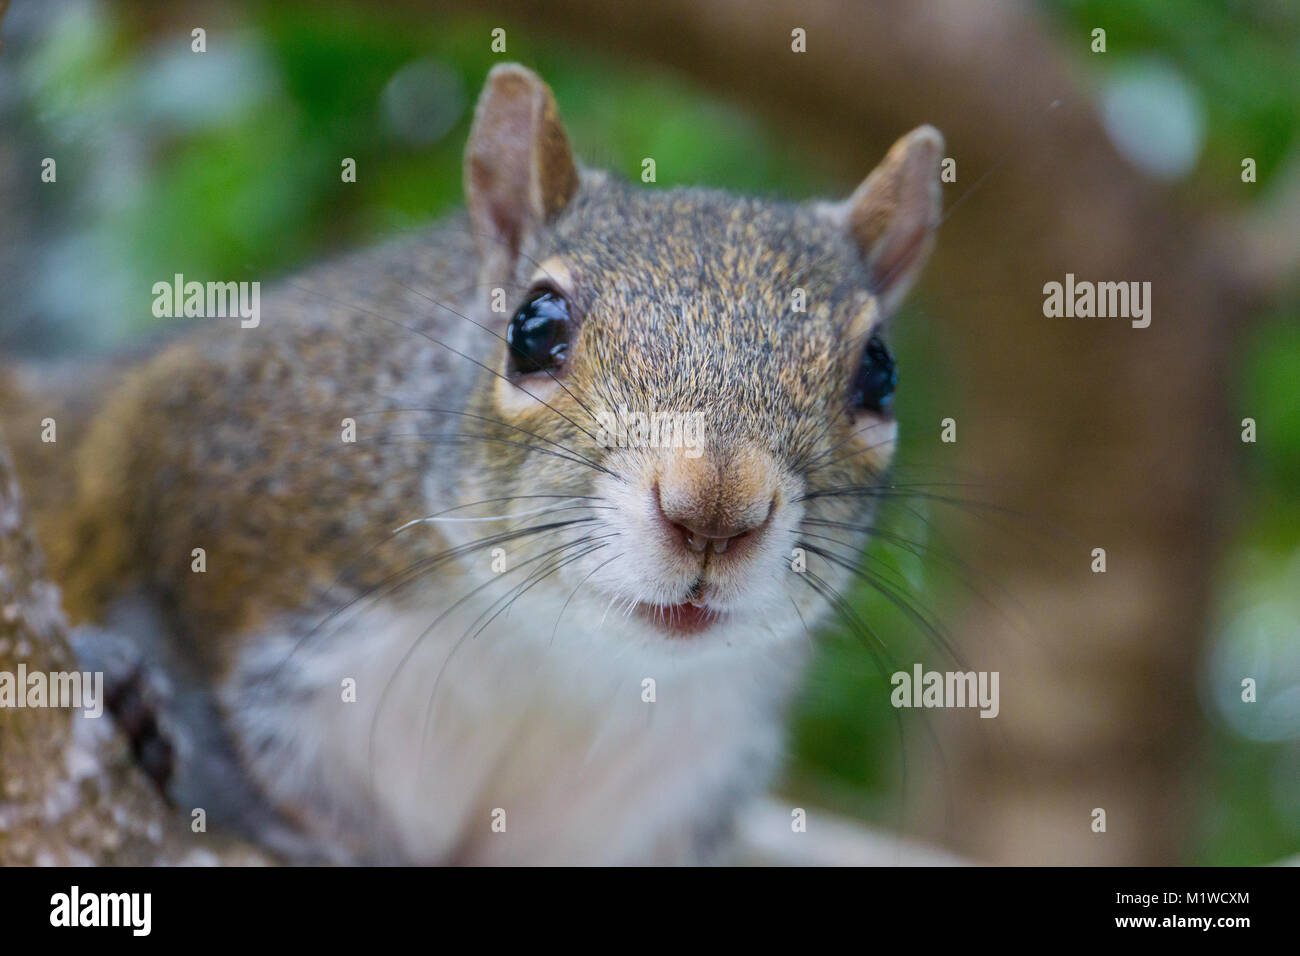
column 70, row 791
column 1117, row 436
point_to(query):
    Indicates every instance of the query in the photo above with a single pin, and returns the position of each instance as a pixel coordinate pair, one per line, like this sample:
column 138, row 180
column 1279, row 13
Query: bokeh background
column 226, row 164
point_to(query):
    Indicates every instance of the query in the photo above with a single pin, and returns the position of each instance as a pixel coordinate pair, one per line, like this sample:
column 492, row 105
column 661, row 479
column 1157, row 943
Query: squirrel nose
column 710, row 505
column 699, row 536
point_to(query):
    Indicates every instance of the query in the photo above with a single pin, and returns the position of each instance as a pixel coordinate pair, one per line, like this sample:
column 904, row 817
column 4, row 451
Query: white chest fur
column 595, row 742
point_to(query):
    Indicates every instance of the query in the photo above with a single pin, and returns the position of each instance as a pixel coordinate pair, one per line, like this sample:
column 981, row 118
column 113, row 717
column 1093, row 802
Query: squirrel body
column 475, row 633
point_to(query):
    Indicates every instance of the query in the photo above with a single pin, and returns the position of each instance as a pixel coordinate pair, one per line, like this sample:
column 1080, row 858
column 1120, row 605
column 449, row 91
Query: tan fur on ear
column 519, row 170
column 893, row 214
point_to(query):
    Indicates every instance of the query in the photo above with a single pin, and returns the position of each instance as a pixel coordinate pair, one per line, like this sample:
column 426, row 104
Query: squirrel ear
column 893, row 214
column 519, row 171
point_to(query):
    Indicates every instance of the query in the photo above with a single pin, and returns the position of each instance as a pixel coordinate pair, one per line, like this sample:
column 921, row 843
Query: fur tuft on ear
column 893, row 214
column 519, row 170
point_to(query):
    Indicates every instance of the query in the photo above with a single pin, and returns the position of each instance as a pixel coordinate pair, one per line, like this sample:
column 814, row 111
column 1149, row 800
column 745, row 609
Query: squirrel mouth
column 679, row 620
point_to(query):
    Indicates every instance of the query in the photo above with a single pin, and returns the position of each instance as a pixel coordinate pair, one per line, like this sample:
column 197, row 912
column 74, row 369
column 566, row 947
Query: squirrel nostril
column 699, row 542
column 701, row 534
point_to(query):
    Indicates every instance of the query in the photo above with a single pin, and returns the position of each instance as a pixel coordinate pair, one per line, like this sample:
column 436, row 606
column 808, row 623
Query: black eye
column 538, row 335
column 873, row 385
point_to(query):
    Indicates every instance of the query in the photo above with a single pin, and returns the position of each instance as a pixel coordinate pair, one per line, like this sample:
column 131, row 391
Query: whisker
column 405, row 575
column 482, row 418
column 528, row 584
column 405, row 658
column 550, row 374
column 816, row 464
column 964, row 572
column 352, row 566
column 556, row 626
column 894, row 593
column 844, row 610
column 396, row 439
column 433, row 693
column 440, row 343
column 842, row 606
column 546, row 509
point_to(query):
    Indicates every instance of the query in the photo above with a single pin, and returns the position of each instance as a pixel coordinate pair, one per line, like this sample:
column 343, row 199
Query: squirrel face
column 705, row 373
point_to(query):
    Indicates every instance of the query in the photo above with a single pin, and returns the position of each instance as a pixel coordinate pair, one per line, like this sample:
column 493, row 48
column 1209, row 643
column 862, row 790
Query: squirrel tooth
column 695, row 542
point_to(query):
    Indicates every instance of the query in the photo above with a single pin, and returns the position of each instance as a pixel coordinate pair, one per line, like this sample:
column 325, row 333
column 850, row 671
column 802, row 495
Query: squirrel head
column 703, row 373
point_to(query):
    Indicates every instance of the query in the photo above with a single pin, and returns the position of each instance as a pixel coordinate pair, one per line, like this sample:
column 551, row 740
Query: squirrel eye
column 538, row 334
column 873, row 385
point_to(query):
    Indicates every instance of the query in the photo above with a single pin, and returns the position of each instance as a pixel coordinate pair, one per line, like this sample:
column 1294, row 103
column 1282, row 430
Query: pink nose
column 714, row 502
column 700, row 531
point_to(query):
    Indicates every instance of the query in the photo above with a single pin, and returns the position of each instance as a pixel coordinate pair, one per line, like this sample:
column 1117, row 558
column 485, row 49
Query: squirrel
column 477, row 629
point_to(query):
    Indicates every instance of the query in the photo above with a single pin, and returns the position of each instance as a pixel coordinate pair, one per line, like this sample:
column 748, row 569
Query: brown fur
column 230, row 439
